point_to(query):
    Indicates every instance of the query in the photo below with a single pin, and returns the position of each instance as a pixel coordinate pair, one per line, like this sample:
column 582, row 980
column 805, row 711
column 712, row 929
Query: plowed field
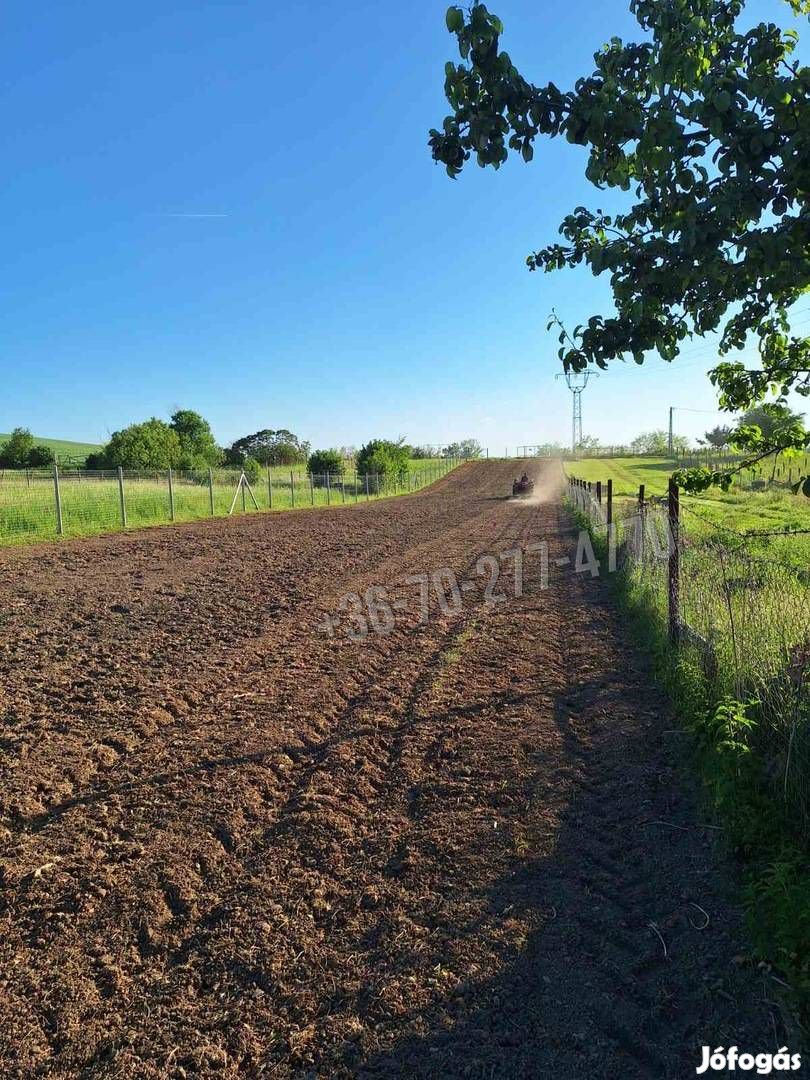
column 236, row 845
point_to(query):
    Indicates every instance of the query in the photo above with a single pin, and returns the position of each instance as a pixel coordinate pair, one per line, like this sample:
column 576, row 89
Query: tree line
column 186, row 442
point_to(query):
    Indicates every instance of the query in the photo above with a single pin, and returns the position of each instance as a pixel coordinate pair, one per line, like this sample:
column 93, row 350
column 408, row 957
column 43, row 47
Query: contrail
column 205, row 215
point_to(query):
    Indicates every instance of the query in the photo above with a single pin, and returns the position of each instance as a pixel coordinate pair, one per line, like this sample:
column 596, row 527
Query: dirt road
column 235, row 843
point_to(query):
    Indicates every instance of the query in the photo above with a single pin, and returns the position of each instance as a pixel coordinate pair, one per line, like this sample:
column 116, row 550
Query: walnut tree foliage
column 707, row 126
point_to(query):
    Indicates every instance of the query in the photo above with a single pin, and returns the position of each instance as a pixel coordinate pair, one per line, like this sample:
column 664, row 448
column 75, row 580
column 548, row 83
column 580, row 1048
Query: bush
column 40, row 457
column 252, row 469
column 323, row 462
column 150, row 445
column 96, row 460
column 384, row 460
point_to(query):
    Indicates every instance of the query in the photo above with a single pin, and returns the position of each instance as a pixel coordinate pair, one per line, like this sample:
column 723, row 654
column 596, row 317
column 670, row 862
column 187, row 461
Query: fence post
column 610, row 502
column 328, row 491
column 269, row 487
column 57, row 493
column 311, row 490
column 356, row 485
column 171, row 496
column 674, row 561
column 121, row 499
column 641, row 496
column 367, row 494
column 211, row 491
column 599, row 492
column 292, row 490
column 343, row 487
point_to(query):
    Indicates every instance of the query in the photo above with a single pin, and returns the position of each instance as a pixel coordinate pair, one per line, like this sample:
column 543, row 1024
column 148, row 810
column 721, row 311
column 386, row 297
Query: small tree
column 40, row 457
column 269, row 447
column 150, row 445
column 719, row 437
column 587, row 444
column 14, row 453
column 197, row 443
column 657, row 442
column 467, row 448
column 252, row 470
column 771, row 419
column 324, row 463
column 384, row 460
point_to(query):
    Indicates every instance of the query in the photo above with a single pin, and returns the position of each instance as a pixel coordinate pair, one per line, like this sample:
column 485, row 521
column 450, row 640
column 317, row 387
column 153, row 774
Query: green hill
column 73, row 453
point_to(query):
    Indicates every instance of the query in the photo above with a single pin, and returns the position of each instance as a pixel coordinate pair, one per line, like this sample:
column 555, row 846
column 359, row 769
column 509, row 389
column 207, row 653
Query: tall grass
column 91, row 501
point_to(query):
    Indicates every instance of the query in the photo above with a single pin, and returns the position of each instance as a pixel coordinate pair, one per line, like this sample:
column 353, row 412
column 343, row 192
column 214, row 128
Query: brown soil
column 235, row 846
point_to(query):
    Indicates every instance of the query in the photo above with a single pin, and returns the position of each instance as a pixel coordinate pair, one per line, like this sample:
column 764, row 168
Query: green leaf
column 722, row 101
column 454, row 19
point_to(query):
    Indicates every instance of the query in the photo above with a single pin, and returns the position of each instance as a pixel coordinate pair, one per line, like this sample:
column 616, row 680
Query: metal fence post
column 171, row 497
column 328, row 491
column 610, row 502
column 58, row 495
column 211, row 491
column 270, row 487
column 121, row 500
column 343, row 487
column 367, row 494
column 311, row 490
column 356, row 488
column 674, row 508
column 292, row 490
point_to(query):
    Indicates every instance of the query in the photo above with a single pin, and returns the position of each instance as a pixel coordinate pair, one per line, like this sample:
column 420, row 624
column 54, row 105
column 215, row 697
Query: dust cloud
column 548, row 477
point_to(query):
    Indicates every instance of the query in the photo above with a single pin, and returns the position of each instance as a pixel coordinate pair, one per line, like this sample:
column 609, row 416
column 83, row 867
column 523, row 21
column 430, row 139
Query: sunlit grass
column 92, row 503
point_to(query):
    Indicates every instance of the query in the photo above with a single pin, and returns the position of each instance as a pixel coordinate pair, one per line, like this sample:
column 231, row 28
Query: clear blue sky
column 232, row 208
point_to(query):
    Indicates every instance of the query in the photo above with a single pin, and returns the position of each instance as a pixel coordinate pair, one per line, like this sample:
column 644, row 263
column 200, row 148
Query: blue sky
column 231, row 207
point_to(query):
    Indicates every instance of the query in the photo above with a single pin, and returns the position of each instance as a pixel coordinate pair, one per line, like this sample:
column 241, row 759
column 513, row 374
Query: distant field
column 63, row 448
column 739, row 509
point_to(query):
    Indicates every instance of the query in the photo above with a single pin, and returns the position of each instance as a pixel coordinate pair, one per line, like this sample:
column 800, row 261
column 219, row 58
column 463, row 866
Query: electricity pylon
column 577, row 381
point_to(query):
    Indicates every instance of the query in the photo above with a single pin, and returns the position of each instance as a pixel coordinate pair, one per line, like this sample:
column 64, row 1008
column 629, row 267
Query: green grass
column 76, row 452
column 738, row 510
column 91, row 502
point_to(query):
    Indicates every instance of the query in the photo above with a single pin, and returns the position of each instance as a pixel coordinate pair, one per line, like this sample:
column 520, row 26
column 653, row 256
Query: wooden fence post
column 59, row 527
column 610, row 502
column 674, row 561
column 599, row 492
column 121, row 500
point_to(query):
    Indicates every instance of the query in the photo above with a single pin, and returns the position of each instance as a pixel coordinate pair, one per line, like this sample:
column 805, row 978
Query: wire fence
column 729, row 604
column 42, row 504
